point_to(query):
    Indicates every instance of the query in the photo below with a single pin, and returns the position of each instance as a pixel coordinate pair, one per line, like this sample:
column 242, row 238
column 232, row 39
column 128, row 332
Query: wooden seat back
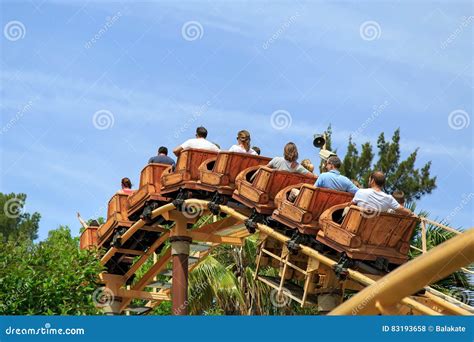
column 117, row 215
column 88, row 239
column 118, row 207
column 187, row 167
column 305, row 210
column 227, row 165
column 266, row 183
column 369, row 235
column 150, row 183
column 379, row 229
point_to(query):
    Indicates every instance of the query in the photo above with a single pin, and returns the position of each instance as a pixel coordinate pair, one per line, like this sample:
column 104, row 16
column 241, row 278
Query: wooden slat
column 129, row 251
column 157, row 229
column 132, row 294
column 198, row 236
column 148, row 276
column 144, row 258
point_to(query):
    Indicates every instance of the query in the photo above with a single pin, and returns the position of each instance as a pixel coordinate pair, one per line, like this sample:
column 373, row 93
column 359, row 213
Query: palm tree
column 224, row 283
column 458, row 282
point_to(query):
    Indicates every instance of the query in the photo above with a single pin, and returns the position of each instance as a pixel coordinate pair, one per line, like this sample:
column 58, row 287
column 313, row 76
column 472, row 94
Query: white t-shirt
column 200, row 143
column 240, row 149
column 375, row 200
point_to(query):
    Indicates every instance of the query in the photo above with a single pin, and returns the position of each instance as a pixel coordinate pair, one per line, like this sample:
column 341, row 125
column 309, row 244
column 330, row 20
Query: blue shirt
column 334, row 180
column 161, row 159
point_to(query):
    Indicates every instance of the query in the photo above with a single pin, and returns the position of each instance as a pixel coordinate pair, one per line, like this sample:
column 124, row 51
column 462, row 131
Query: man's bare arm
column 177, row 151
column 404, row 211
column 83, row 223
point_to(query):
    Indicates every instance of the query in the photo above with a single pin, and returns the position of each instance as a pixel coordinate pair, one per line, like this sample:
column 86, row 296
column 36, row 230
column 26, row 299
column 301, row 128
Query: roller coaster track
column 403, row 291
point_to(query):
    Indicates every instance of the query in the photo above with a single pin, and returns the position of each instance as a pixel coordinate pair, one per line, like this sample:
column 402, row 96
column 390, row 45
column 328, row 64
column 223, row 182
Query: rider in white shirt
column 243, row 143
column 198, row 142
column 375, row 199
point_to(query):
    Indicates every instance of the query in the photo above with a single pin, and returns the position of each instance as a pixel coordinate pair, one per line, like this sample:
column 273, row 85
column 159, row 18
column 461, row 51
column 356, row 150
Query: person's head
column 377, row 180
column 306, row 163
column 201, row 132
column 163, row 150
column 290, row 152
column 243, row 139
column 126, row 183
column 399, row 197
column 257, row 149
column 333, row 163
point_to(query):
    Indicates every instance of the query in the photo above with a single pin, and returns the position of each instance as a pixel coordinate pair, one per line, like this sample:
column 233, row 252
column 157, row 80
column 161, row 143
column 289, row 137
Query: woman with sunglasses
column 243, row 143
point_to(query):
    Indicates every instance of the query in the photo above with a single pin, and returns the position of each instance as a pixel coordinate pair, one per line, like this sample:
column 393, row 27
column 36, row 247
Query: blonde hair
column 306, row 163
column 290, row 152
column 243, row 137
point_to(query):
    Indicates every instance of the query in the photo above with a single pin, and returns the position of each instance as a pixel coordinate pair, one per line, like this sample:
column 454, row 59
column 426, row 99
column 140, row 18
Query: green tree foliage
column 401, row 174
column 434, row 237
column 224, row 284
column 14, row 223
column 52, row 277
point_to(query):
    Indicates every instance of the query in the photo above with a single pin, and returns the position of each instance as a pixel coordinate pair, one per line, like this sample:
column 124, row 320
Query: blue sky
column 153, row 71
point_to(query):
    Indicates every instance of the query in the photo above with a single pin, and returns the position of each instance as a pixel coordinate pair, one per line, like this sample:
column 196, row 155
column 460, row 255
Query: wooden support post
column 180, row 241
column 259, row 258
column 179, row 292
column 423, row 236
column 285, row 255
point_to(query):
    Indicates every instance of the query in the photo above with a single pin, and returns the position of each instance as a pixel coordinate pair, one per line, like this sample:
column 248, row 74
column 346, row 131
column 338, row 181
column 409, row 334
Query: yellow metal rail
column 411, row 277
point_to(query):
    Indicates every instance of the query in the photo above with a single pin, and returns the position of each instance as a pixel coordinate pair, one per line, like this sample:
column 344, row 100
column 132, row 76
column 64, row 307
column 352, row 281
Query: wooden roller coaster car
column 219, row 174
column 368, row 236
column 88, row 238
column 186, row 174
column 117, row 217
column 304, row 212
column 149, row 190
column 256, row 187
